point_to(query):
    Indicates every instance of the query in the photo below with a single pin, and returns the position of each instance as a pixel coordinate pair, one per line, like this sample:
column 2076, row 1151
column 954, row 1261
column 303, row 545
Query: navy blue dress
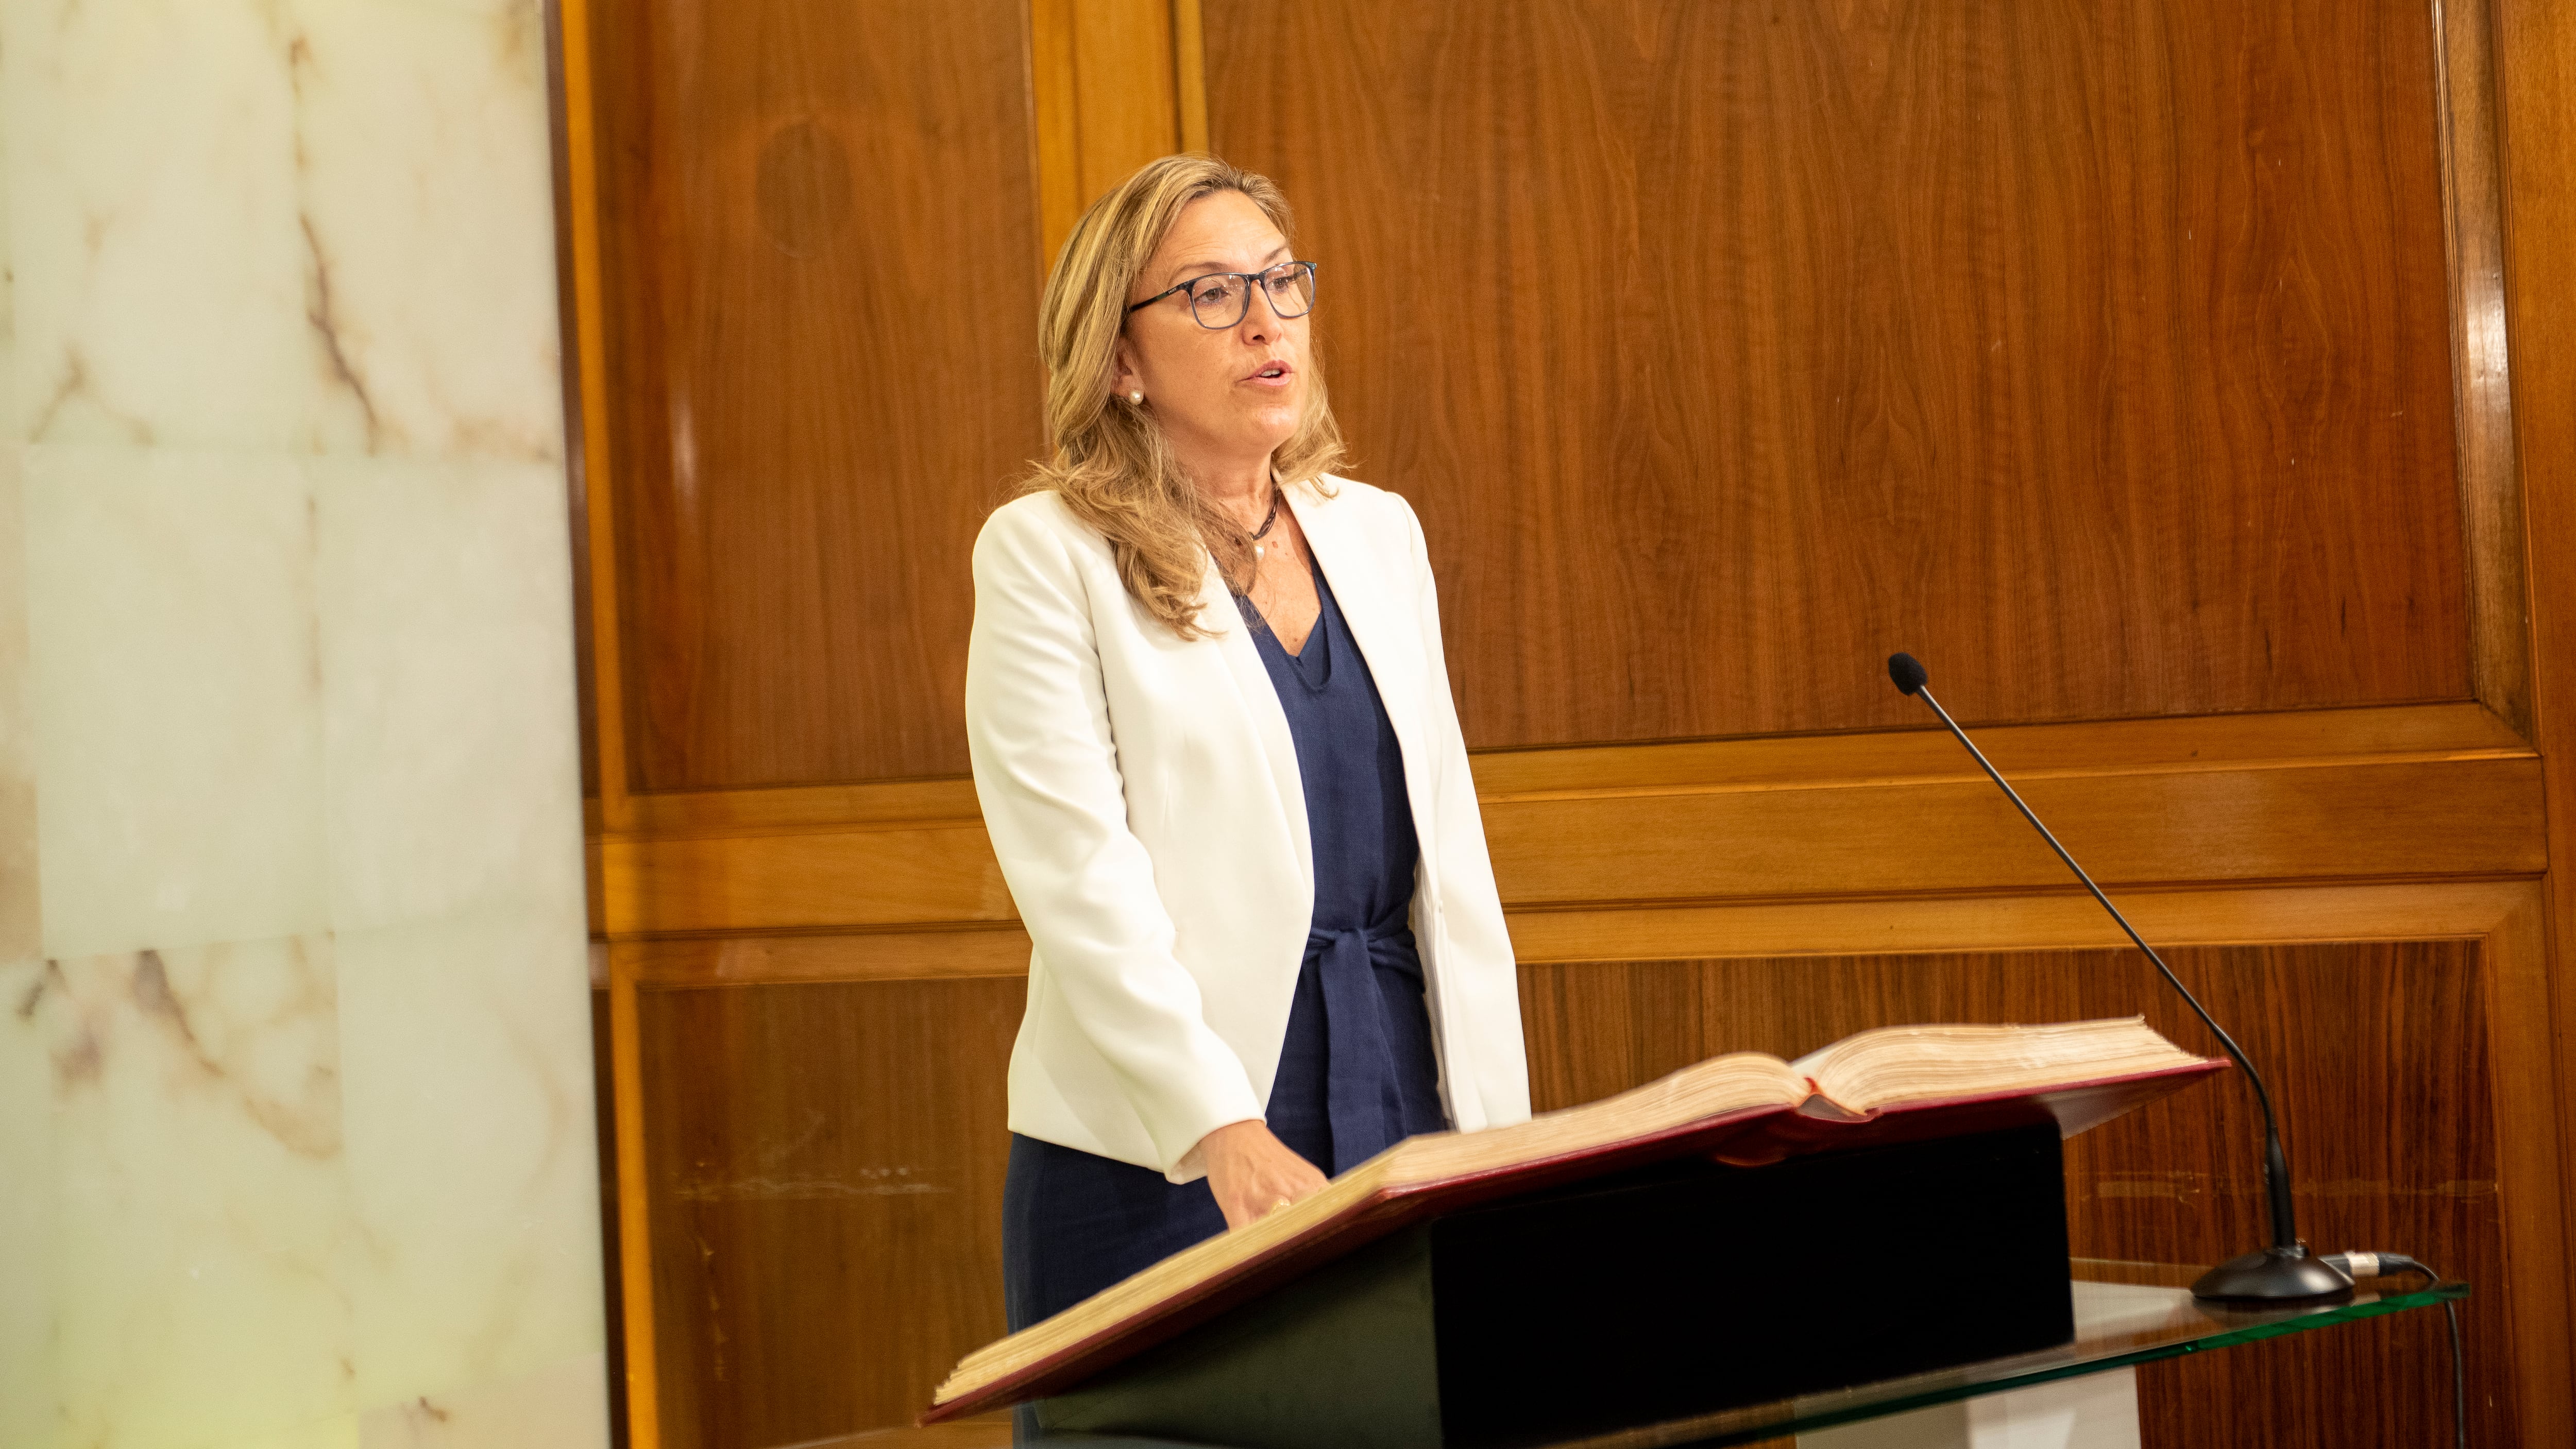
column 1357, row 1073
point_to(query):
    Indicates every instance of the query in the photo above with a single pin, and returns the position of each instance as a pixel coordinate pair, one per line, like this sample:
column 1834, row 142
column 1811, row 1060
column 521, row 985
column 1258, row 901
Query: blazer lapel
column 1260, row 699
column 1380, row 623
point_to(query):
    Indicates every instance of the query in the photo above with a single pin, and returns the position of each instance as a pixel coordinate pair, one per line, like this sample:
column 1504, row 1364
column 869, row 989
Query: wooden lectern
column 1744, row 1230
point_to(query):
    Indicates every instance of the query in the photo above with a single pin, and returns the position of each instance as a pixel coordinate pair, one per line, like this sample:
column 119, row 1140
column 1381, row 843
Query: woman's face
column 1226, row 397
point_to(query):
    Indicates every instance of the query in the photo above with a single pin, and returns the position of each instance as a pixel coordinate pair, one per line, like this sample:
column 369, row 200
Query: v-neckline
column 1304, row 662
column 1316, row 658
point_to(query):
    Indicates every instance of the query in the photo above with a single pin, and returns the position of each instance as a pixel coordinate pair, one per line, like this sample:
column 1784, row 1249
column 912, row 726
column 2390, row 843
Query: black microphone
column 2282, row 1272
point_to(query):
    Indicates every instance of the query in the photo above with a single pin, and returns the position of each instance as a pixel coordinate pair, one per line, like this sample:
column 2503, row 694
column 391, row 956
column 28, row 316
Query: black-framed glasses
column 1220, row 299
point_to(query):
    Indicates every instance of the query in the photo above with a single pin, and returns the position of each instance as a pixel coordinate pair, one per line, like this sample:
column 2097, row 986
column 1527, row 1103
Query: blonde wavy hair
column 1112, row 465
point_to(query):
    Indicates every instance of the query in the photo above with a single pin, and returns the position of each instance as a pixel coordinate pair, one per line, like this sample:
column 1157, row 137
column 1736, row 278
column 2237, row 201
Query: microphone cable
column 2380, row 1265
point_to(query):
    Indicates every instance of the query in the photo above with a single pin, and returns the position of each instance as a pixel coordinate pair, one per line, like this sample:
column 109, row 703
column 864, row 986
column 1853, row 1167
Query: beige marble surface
column 18, row 880
column 296, row 1141
column 175, row 688
column 301, row 224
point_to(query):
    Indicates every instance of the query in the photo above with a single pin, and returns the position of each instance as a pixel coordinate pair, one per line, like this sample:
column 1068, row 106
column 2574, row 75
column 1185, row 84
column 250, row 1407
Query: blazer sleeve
column 1047, row 774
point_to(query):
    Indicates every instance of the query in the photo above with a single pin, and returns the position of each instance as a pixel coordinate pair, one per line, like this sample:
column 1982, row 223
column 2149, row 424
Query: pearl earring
column 1136, row 397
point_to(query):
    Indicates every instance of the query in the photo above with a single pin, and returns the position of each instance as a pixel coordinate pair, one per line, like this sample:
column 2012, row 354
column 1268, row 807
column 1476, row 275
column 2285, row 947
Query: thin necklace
column 1267, row 519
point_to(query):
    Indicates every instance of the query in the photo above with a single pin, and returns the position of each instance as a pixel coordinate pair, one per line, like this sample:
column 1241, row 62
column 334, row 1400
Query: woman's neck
column 1239, row 487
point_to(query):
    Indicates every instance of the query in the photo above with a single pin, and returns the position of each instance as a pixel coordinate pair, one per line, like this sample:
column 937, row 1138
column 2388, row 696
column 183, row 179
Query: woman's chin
column 1247, row 430
column 1271, row 424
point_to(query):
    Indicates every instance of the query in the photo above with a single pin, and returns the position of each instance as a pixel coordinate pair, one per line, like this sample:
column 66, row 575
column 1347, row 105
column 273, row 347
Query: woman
column 1216, row 751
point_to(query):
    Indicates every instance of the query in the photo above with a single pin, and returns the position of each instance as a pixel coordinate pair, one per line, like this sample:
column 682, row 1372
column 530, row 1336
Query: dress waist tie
column 1364, row 1102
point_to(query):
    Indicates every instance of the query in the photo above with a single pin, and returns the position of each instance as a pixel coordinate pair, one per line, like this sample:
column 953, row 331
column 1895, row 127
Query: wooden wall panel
column 830, row 1156
column 824, row 1164
column 2316, row 795
column 816, row 226
column 2100, row 354
column 2378, row 1053
column 1112, row 93
column 2536, row 77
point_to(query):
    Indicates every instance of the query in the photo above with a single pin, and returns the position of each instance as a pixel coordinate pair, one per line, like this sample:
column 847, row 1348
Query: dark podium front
column 1635, row 1298
column 1690, row 1303
column 2125, row 1314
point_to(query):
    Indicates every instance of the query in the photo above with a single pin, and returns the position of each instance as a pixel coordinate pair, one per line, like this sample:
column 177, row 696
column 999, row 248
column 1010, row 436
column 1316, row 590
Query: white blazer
column 1142, row 794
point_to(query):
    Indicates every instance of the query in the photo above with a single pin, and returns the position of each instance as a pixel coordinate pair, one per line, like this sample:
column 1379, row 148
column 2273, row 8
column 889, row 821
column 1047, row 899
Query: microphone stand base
column 2273, row 1275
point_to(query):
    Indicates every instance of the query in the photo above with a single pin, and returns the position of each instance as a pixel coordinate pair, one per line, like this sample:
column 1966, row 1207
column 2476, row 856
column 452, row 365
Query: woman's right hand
column 1251, row 1171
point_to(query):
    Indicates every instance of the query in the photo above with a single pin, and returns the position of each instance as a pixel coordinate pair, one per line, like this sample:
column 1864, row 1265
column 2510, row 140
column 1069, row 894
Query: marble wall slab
column 296, row 1141
column 18, row 880
column 442, row 591
column 300, row 224
column 29, row 1199
column 175, row 683
column 198, row 1168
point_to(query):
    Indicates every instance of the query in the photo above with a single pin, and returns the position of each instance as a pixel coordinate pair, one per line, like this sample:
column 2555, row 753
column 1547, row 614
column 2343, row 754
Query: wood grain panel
column 2098, row 354
column 2475, row 815
column 878, row 802
column 816, row 226
column 2537, row 83
column 2265, row 824
column 1108, row 92
column 2388, row 734
column 2491, row 513
column 825, row 1176
column 639, row 1244
column 2065, row 920
column 808, row 879
column 837, row 956
column 670, row 870
column 2398, row 734
column 2378, row 1054
column 612, row 1247
column 824, row 1160
column 575, row 256
column 588, row 453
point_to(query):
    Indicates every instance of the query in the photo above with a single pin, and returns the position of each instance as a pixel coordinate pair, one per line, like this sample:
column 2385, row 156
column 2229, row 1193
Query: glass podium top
column 2125, row 1313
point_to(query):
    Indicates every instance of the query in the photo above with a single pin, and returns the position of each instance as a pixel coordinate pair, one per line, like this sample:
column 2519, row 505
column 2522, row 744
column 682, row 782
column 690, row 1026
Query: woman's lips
column 1273, row 376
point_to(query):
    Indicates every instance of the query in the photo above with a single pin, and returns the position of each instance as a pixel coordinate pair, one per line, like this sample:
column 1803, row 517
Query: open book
column 1893, row 1084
